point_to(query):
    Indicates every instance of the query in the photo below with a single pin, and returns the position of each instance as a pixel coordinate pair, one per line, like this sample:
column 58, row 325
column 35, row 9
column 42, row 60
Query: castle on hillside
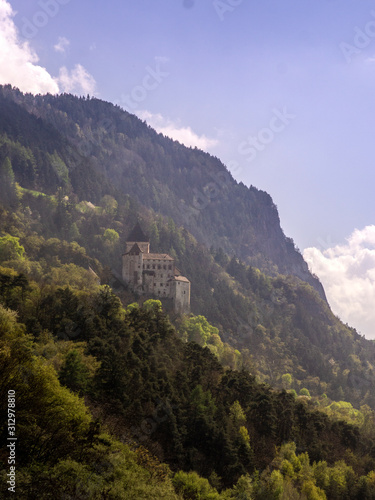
column 154, row 273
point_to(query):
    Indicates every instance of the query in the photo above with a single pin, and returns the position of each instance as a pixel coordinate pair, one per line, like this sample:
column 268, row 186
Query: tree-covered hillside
column 261, row 393
column 113, row 401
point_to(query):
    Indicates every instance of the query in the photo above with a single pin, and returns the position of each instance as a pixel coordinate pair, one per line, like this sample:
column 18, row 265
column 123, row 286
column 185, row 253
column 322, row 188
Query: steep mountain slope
column 277, row 323
column 98, row 139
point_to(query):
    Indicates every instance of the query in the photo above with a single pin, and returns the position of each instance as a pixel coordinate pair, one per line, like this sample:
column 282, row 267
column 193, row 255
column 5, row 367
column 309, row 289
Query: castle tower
column 180, row 293
column 132, row 267
column 139, row 237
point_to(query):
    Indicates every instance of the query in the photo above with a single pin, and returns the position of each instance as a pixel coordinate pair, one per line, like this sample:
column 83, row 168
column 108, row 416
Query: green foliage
column 74, row 373
column 342, row 410
column 111, row 236
column 197, row 329
column 8, row 192
column 10, row 248
column 43, row 429
column 286, row 380
column 202, row 402
column 152, row 306
column 109, row 205
column 304, row 392
column 173, row 395
column 244, row 489
column 6, row 172
column 193, row 487
column 237, row 414
column 61, row 451
column 131, row 307
column 59, row 167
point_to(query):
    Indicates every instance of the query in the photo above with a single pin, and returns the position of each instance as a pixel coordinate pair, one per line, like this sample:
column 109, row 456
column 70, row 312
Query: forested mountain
column 261, row 393
column 93, row 139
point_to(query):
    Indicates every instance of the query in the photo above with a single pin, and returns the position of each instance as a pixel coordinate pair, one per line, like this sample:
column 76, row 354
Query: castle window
column 148, row 266
column 164, row 267
column 159, row 266
column 170, row 267
column 161, row 284
column 153, row 266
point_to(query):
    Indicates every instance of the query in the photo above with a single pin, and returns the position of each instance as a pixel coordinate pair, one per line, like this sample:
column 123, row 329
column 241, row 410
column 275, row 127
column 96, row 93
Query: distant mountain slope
column 106, row 149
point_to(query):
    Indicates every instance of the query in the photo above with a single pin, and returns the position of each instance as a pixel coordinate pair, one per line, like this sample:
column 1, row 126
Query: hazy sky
column 281, row 91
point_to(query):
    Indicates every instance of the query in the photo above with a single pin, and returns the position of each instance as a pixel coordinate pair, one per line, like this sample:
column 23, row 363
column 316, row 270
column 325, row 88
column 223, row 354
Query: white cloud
column 185, row 135
column 18, row 63
column 62, row 44
column 17, row 59
column 77, row 81
column 348, row 276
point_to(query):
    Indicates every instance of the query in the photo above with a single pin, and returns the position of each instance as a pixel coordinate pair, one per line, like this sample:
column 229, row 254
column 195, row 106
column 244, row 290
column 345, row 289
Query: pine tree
column 8, row 193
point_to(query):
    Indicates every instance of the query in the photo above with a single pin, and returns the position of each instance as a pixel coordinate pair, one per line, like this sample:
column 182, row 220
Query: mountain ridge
column 104, row 142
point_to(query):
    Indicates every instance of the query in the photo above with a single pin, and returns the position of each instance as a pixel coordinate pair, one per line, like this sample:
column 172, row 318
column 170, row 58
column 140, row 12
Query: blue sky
column 219, row 74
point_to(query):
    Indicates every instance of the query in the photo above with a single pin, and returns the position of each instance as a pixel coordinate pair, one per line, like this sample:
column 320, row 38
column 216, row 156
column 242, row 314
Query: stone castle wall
column 151, row 273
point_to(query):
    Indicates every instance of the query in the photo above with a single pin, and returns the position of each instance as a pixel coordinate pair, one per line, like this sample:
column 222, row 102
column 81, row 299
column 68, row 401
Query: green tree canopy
column 10, row 248
column 74, row 373
column 111, row 236
column 197, row 329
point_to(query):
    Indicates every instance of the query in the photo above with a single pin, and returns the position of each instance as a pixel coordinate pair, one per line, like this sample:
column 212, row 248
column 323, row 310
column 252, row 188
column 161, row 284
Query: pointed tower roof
column 135, row 250
column 137, row 234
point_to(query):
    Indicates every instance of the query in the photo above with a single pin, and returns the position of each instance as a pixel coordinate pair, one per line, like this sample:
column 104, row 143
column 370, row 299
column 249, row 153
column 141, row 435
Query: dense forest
column 260, row 393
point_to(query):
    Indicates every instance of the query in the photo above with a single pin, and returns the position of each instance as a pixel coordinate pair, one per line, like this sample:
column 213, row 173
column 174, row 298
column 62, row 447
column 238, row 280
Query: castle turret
column 132, row 267
column 180, row 293
column 139, row 237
